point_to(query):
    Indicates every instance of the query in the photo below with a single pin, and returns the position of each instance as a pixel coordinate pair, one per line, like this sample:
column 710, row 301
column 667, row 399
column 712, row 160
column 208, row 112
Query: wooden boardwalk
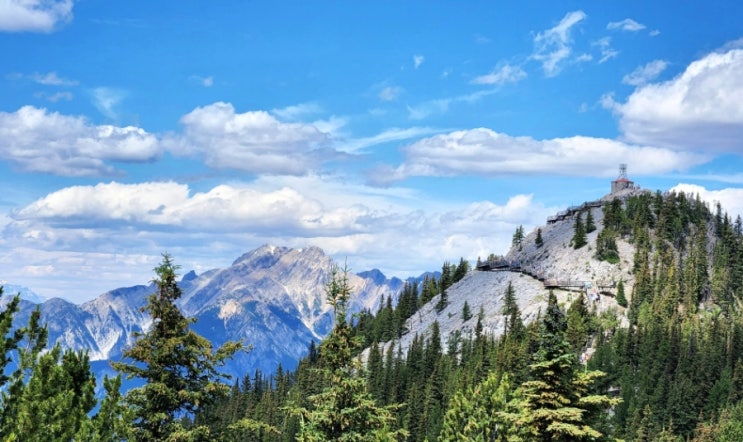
column 550, row 281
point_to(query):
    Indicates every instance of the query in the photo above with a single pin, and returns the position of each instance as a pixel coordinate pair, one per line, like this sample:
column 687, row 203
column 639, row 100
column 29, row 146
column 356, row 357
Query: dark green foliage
column 461, row 270
column 466, row 311
column 579, row 236
column 518, row 237
column 606, row 246
column 555, row 403
column 344, row 410
column 621, row 297
column 50, row 393
column 442, row 302
column 539, row 242
column 513, row 323
column 179, row 366
column 590, row 223
column 580, row 323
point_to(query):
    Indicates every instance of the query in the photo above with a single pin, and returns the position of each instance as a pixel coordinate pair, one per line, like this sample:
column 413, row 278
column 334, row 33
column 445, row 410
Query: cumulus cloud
column 501, row 75
column 133, row 223
column 625, row 25
column 223, row 208
column 731, row 198
column 34, row 15
column 553, row 46
column 698, row 109
column 645, row 74
column 487, row 153
column 40, row 141
column 252, row 141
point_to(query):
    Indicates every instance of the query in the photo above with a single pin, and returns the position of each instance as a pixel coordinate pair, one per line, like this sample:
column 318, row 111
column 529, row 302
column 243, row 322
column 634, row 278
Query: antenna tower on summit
column 622, row 171
column 622, row 182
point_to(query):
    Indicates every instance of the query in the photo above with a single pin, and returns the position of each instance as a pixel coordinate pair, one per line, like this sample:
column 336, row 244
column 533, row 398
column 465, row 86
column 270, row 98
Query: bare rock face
column 556, row 259
column 272, row 299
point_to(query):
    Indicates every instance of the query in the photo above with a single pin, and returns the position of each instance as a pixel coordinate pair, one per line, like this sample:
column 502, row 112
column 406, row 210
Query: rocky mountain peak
column 272, row 298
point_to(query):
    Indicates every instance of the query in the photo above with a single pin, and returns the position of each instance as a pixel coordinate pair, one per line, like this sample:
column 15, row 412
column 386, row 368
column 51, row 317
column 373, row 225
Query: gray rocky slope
column 271, row 298
column 556, row 258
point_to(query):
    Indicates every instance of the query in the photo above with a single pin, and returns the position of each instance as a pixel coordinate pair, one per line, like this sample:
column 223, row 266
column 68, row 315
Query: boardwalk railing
column 550, row 281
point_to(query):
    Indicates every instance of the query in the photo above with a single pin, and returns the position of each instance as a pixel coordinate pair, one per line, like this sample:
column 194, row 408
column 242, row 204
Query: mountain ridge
column 271, row 298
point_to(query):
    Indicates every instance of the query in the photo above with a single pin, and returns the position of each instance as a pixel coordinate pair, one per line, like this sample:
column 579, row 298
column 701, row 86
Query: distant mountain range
column 272, row 298
column 25, row 292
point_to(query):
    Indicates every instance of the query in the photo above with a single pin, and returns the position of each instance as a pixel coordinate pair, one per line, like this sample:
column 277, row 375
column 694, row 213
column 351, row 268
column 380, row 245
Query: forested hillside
column 663, row 365
column 674, row 374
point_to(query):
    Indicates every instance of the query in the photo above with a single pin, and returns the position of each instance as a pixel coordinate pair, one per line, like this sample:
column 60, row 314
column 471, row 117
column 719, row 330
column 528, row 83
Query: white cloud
column 645, row 74
column 33, row 15
column 51, row 79
column 202, row 81
column 251, row 141
column 389, row 93
column 441, row 105
column 654, row 33
column 150, row 205
column 49, row 142
column 55, row 97
column 129, row 225
column 297, row 111
column 607, row 52
column 484, row 152
column 699, row 109
column 389, row 135
column 107, row 100
column 481, row 39
column 553, row 46
column 418, row 60
column 625, row 25
column 731, row 198
column 501, row 75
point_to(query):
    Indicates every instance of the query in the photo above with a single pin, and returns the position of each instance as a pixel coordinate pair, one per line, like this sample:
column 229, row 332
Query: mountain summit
column 271, row 298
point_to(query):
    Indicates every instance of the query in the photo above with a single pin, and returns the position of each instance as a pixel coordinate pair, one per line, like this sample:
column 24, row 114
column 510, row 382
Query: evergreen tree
column 9, row 339
column 466, row 312
column 344, row 410
column 590, row 223
column 442, row 302
column 461, row 270
column 518, row 237
column 539, row 242
column 50, row 393
column 606, row 246
column 579, row 324
column 579, row 237
column 473, row 415
column 513, row 322
column 554, row 405
column 621, row 297
column 179, row 367
column 110, row 423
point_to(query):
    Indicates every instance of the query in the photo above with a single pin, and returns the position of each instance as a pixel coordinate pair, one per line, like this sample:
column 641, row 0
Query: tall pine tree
column 179, row 366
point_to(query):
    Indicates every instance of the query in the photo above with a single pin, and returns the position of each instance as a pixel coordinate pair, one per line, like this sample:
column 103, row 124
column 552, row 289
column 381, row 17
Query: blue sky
column 394, row 135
